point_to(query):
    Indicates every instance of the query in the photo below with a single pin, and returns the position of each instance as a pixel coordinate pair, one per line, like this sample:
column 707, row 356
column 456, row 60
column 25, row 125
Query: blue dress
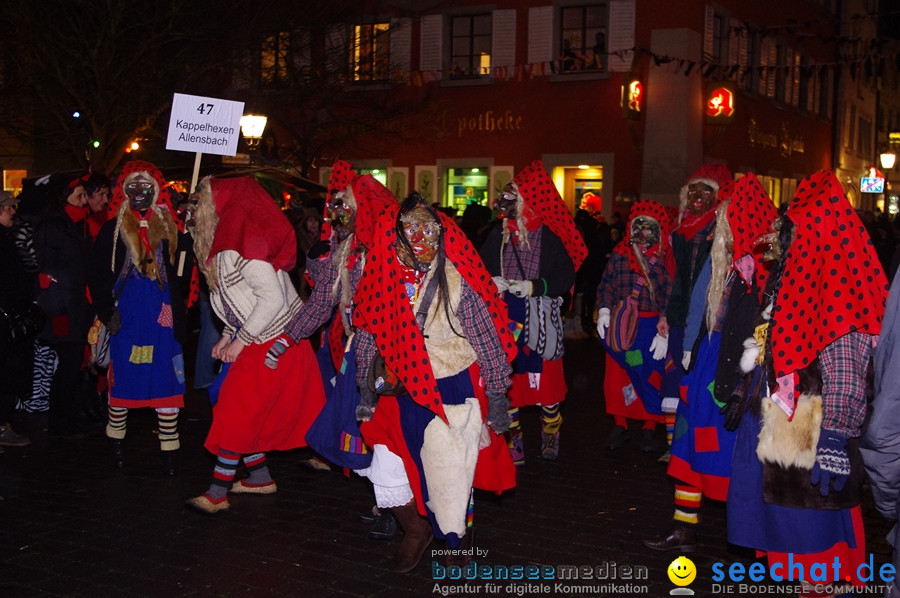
column 146, row 362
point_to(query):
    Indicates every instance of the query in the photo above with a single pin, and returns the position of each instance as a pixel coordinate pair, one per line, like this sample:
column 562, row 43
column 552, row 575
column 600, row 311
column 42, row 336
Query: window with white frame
column 470, row 45
column 583, row 37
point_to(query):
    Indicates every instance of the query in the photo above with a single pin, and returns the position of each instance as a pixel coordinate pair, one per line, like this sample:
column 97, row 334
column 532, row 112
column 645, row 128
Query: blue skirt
column 146, row 361
column 646, row 374
column 700, row 441
column 754, row 523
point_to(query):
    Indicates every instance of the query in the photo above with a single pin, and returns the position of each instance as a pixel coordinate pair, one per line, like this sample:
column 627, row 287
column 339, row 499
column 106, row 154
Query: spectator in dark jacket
column 63, row 246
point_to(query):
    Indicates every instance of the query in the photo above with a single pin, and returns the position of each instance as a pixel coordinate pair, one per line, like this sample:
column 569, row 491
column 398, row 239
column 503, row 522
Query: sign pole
column 196, row 173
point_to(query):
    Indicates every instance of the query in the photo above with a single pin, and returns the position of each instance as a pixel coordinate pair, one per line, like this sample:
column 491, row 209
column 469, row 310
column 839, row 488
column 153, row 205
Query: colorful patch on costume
column 141, row 354
column 165, row 318
column 629, row 394
column 634, row 358
column 681, row 427
column 655, row 380
column 178, row 364
column 353, row 444
column 516, row 329
column 706, row 439
column 711, row 388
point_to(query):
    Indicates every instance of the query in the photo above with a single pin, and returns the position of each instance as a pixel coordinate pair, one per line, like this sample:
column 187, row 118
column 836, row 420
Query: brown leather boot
column 464, row 555
column 417, row 536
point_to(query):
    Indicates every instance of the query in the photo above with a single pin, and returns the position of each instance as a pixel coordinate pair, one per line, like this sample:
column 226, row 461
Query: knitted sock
column 258, row 468
column 515, row 429
column 620, row 421
column 670, row 426
column 116, row 424
column 551, row 420
column 281, row 344
column 167, row 422
column 687, row 504
column 223, row 475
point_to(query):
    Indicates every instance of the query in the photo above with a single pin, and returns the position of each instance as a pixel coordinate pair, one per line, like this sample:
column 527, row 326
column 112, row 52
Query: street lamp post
column 252, row 127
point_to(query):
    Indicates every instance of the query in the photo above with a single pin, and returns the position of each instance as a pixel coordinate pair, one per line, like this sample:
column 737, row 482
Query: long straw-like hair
column 205, row 222
column 721, row 259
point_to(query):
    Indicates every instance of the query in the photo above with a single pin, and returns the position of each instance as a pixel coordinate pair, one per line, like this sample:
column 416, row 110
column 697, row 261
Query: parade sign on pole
column 207, row 125
column 200, row 124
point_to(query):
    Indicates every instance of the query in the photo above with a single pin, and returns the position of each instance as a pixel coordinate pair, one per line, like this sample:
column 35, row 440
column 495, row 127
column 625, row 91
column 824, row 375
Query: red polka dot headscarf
column 540, row 194
column 371, row 199
column 342, row 175
column 832, row 284
column 750, row 215
column 383, row 309
column 651, row 209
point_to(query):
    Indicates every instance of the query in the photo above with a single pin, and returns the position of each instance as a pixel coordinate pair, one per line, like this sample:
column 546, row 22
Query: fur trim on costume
column 449, row 454
column 790, row 443
column 752, row 347
column 751, row 352
column 160, row 225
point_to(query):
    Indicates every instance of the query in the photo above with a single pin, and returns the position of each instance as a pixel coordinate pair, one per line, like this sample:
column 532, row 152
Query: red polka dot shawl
column 832, row 284
column 383, row 309
column 541, row 196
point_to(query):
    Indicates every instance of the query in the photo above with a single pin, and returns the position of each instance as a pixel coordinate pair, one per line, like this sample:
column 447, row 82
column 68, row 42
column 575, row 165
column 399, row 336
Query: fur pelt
column 449, row 454
column 160, row 226
column 790, row 443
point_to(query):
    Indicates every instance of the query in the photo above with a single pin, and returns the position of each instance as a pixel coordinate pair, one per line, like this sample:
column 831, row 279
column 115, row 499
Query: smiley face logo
column 682, row 571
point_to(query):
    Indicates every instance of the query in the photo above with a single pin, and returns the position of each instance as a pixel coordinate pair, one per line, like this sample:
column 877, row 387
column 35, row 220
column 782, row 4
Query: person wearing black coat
column 63, row 246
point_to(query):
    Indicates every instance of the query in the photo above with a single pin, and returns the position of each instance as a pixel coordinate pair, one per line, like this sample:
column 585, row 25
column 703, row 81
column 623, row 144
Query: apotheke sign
column 205, row 125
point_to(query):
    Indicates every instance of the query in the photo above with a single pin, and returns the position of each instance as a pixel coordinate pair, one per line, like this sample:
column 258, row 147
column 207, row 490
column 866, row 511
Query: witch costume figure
column 433, row 351
column 354, row 204
column 534, row 252
column 335, row 265
column 636, row 286
column 246, row 247
column 724, row 306
column 141, row 268
column 805, row 391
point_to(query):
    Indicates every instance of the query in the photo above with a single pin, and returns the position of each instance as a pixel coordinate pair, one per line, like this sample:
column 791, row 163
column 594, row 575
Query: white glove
column 520, row 288
column 502, row 284
column 686, row 360
column 602, row 321
column 658, row 347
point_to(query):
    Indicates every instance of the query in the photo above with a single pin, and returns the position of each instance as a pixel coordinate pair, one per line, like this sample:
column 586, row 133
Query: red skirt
column 614, row 381
column 261, row 409
column 552, row 388
column 494, row 469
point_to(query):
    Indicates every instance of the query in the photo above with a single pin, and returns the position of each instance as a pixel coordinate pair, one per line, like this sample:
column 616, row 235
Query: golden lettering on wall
column 489, row 122
column 785, row 142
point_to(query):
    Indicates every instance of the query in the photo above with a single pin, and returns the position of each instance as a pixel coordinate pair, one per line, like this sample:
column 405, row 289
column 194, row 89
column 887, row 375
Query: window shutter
column 540, row 34
column 401, row 49
column 503, row 38
column 430, row 59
